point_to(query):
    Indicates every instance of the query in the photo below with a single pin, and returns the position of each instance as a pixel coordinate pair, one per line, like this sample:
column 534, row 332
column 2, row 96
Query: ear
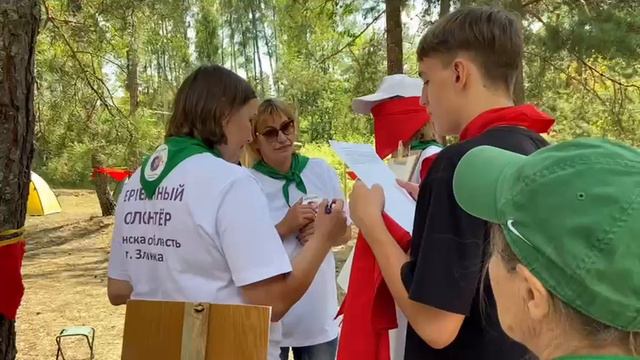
column 537, row 298
column 461, row 72
column 225, row 123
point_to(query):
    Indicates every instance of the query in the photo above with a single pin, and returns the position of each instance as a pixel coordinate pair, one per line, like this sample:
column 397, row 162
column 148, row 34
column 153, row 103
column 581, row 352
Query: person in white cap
column 399, row 118
column 372, row 326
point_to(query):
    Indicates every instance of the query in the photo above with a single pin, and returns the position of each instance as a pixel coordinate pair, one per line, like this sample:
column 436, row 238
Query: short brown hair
column 492, row 36
column 206, row 97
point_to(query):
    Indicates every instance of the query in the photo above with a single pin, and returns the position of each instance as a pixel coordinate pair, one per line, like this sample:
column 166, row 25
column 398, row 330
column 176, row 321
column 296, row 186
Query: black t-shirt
column 448, row 254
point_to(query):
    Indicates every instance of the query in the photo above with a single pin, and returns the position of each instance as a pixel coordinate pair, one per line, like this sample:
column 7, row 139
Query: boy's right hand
column 331, row 227
column 298, row 216
column 412, row 188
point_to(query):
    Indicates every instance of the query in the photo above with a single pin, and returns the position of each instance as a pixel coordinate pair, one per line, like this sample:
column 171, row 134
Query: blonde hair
column 592, row 330
column 268, row 109
column 427, row 133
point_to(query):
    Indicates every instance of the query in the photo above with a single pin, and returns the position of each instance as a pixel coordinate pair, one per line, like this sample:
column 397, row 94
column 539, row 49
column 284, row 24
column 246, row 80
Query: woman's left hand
column 306, row 233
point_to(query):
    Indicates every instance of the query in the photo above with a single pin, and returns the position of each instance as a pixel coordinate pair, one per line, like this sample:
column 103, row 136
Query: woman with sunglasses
column 294, row 186
column 181, row 229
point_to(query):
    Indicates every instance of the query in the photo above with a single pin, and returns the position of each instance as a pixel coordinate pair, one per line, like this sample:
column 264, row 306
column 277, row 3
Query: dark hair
column 492, row 36
column 207, row 97
column 594, row 330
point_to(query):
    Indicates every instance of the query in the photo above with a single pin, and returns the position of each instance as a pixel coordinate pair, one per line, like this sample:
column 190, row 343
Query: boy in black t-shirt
column 468, row 61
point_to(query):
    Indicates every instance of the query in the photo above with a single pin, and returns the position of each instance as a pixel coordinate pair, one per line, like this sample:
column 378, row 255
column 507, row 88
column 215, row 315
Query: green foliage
column 580, row 65
column 325, row 152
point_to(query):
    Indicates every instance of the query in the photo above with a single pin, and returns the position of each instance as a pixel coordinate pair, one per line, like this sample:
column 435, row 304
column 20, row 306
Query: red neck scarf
column 526, row 116
column 396, row 120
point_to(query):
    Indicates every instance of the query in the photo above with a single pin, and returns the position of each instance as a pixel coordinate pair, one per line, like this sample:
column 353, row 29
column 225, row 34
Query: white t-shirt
column 203, row 237
column 311, row 320
column 430, row 150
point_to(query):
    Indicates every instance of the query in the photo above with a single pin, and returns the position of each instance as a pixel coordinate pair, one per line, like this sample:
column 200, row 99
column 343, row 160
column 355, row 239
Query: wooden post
column 195, row 331
column 195, row 326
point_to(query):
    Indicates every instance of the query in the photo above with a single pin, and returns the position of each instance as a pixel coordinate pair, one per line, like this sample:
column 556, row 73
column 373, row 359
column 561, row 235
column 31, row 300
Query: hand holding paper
column 371, row 170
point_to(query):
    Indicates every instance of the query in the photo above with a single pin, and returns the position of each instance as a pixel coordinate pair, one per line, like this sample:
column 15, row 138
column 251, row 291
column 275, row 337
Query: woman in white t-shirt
column 294, row 186
column 181, row 229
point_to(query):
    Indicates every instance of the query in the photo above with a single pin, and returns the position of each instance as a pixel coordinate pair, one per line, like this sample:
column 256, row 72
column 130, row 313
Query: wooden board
column 404, row 167
column 154, row 330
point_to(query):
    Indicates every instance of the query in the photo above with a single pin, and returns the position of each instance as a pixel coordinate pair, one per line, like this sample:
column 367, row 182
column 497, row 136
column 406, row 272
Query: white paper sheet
column 370, row 169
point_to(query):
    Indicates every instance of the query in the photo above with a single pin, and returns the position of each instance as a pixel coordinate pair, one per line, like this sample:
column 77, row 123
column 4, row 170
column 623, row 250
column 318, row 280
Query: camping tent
column 42, row 201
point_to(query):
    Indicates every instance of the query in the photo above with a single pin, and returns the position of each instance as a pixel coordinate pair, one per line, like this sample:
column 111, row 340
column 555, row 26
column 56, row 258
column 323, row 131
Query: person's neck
column 227, row 154
column 483, row 103
column 282, row 165
column 572, row 346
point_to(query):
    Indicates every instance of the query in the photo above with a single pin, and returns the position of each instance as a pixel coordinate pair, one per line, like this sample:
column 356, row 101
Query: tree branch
column 584, row 62
column 116, row 64
column 350, row 42
column 84, row 71
column 529, row 3
column 601, row 74
column 570, row 76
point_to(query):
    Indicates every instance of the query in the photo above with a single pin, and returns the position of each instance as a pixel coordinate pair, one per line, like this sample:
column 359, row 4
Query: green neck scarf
column 166, row 157
column 293, row 176
column 421, row 145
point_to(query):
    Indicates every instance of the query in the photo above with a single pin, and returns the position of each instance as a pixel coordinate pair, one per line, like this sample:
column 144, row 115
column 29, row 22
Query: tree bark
column 256, row 42
column 7, row 338
column 246, row 63
column 232, row 45
column 394, row 36
column 518, row 88
column 107, row 205
column 19, row 20
column 132, row 65
column 445, row 8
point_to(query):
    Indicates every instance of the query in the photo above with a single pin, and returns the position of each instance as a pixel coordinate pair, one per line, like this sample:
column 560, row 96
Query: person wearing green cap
column 565, row 261
column 191, row 225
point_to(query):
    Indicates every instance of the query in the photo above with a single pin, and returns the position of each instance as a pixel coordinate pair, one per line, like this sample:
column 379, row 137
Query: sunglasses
column 271, row 134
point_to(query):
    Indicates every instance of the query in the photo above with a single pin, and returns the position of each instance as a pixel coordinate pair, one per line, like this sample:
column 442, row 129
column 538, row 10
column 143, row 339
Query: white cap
column 391, row 86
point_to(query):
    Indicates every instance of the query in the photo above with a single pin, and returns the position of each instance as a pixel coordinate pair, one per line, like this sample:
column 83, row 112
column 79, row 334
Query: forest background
column 107, row 71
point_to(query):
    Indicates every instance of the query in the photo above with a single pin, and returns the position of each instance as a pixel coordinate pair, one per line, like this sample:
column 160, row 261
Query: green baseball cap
column 571, row 213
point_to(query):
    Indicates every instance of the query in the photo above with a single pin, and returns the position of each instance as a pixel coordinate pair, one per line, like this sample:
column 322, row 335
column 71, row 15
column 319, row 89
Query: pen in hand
column 329, row 207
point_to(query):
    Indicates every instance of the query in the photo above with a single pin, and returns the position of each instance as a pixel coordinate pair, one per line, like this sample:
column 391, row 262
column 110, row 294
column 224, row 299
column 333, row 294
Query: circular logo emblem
column 156, row 163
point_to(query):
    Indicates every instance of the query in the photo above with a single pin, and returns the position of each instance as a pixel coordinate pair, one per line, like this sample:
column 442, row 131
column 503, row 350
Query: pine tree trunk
column 19, row 20
column 275, row 48
column 394, row 36
column 232, row 45
column 267, row 42
column 445, row 7
column 132, row 65
column 256, row 41
column 7, row 339
column 246, row 63
column 518, row 88
column 107, row 205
